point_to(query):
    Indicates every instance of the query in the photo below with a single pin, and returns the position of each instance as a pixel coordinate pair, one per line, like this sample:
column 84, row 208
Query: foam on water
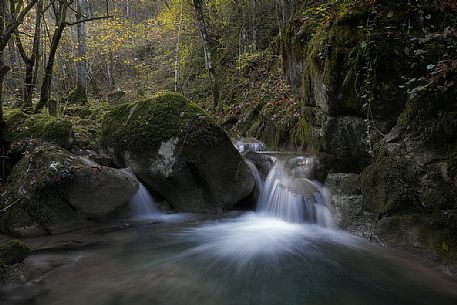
column 239, row 241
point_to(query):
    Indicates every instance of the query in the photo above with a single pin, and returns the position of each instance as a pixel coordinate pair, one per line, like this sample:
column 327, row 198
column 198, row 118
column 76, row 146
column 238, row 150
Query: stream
column 285, row 253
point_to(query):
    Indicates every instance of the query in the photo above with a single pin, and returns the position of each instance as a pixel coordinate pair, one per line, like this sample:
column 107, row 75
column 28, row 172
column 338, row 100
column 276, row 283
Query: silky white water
column 288, row 193
column 144, row 207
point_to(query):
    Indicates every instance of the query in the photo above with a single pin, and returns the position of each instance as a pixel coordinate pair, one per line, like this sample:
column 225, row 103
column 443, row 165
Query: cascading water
column 289, row 194
column 142, row 204
column 252, row 145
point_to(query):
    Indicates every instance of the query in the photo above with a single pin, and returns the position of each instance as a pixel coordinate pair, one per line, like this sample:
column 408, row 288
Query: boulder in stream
column 52, row 191
column 178, row 151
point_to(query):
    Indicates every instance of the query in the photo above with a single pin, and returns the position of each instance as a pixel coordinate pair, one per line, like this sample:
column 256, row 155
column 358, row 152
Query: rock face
column 390, row 129
column 347, row 204
column 178, row 151
column 55, row 192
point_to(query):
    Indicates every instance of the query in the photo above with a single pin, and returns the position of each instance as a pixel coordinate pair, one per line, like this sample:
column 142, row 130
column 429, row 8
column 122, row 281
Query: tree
column 81, row 65
column 178, row 40
column 31, row 62
column 202, row 27
column 8, row 26
column 60, row 9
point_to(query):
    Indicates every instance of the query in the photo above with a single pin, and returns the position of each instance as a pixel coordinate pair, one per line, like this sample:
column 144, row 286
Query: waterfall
column 245, row 145
column 142, row 204
column 288, row 193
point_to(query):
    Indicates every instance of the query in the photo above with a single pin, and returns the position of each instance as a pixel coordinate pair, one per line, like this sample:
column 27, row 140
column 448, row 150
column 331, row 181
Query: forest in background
column 120, row 50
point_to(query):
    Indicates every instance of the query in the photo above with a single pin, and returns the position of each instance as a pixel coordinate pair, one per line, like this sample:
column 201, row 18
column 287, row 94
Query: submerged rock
column 177, row 150
column 50, row 190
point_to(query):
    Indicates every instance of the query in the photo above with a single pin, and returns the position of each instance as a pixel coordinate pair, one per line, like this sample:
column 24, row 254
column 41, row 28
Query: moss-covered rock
column 77, row 96
column 178, row 151
column 50, row 190
column 22, row 126
column 14, row 251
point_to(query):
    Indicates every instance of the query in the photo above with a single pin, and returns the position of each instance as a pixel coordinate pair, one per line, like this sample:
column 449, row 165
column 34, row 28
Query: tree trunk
column 81, row 65
column 3, row 68
column 48, row 71
column 177, row 48
column 198, row 6
column 32, row 61
column 254, row 26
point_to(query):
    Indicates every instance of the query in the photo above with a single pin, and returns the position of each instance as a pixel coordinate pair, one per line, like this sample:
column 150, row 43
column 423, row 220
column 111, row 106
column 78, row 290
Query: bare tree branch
column 15, row 24
column 88, row 20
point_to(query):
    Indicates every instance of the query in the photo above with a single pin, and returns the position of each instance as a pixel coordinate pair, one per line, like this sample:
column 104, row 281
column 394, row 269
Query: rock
column 77, row 96
column 177, row 151
column 14, row 251
column 263, row 162
column 343, row 184
column 98, row 191
column 50, row 190
column 388, row 186
column 347, row 203
column 99, row 158
column 21, row 126
column 343, row 144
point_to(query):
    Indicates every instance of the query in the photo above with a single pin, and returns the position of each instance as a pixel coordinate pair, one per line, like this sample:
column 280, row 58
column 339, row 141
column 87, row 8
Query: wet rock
column 346, row 198
column 177, row 150
column 264, row 163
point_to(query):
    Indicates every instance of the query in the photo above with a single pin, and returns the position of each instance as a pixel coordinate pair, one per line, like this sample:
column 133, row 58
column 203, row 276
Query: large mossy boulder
column 177, row 150
column 21, row 126
column 52, row 191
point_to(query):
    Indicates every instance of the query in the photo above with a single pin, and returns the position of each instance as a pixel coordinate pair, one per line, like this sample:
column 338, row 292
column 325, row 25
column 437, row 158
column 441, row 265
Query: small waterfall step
column 290, row 193
column 142, row 204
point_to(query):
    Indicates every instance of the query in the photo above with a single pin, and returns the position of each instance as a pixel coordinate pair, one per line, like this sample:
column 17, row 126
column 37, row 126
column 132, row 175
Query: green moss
column 40, row 126
column 142, row 126
column 14, row 251
column 77, row 96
